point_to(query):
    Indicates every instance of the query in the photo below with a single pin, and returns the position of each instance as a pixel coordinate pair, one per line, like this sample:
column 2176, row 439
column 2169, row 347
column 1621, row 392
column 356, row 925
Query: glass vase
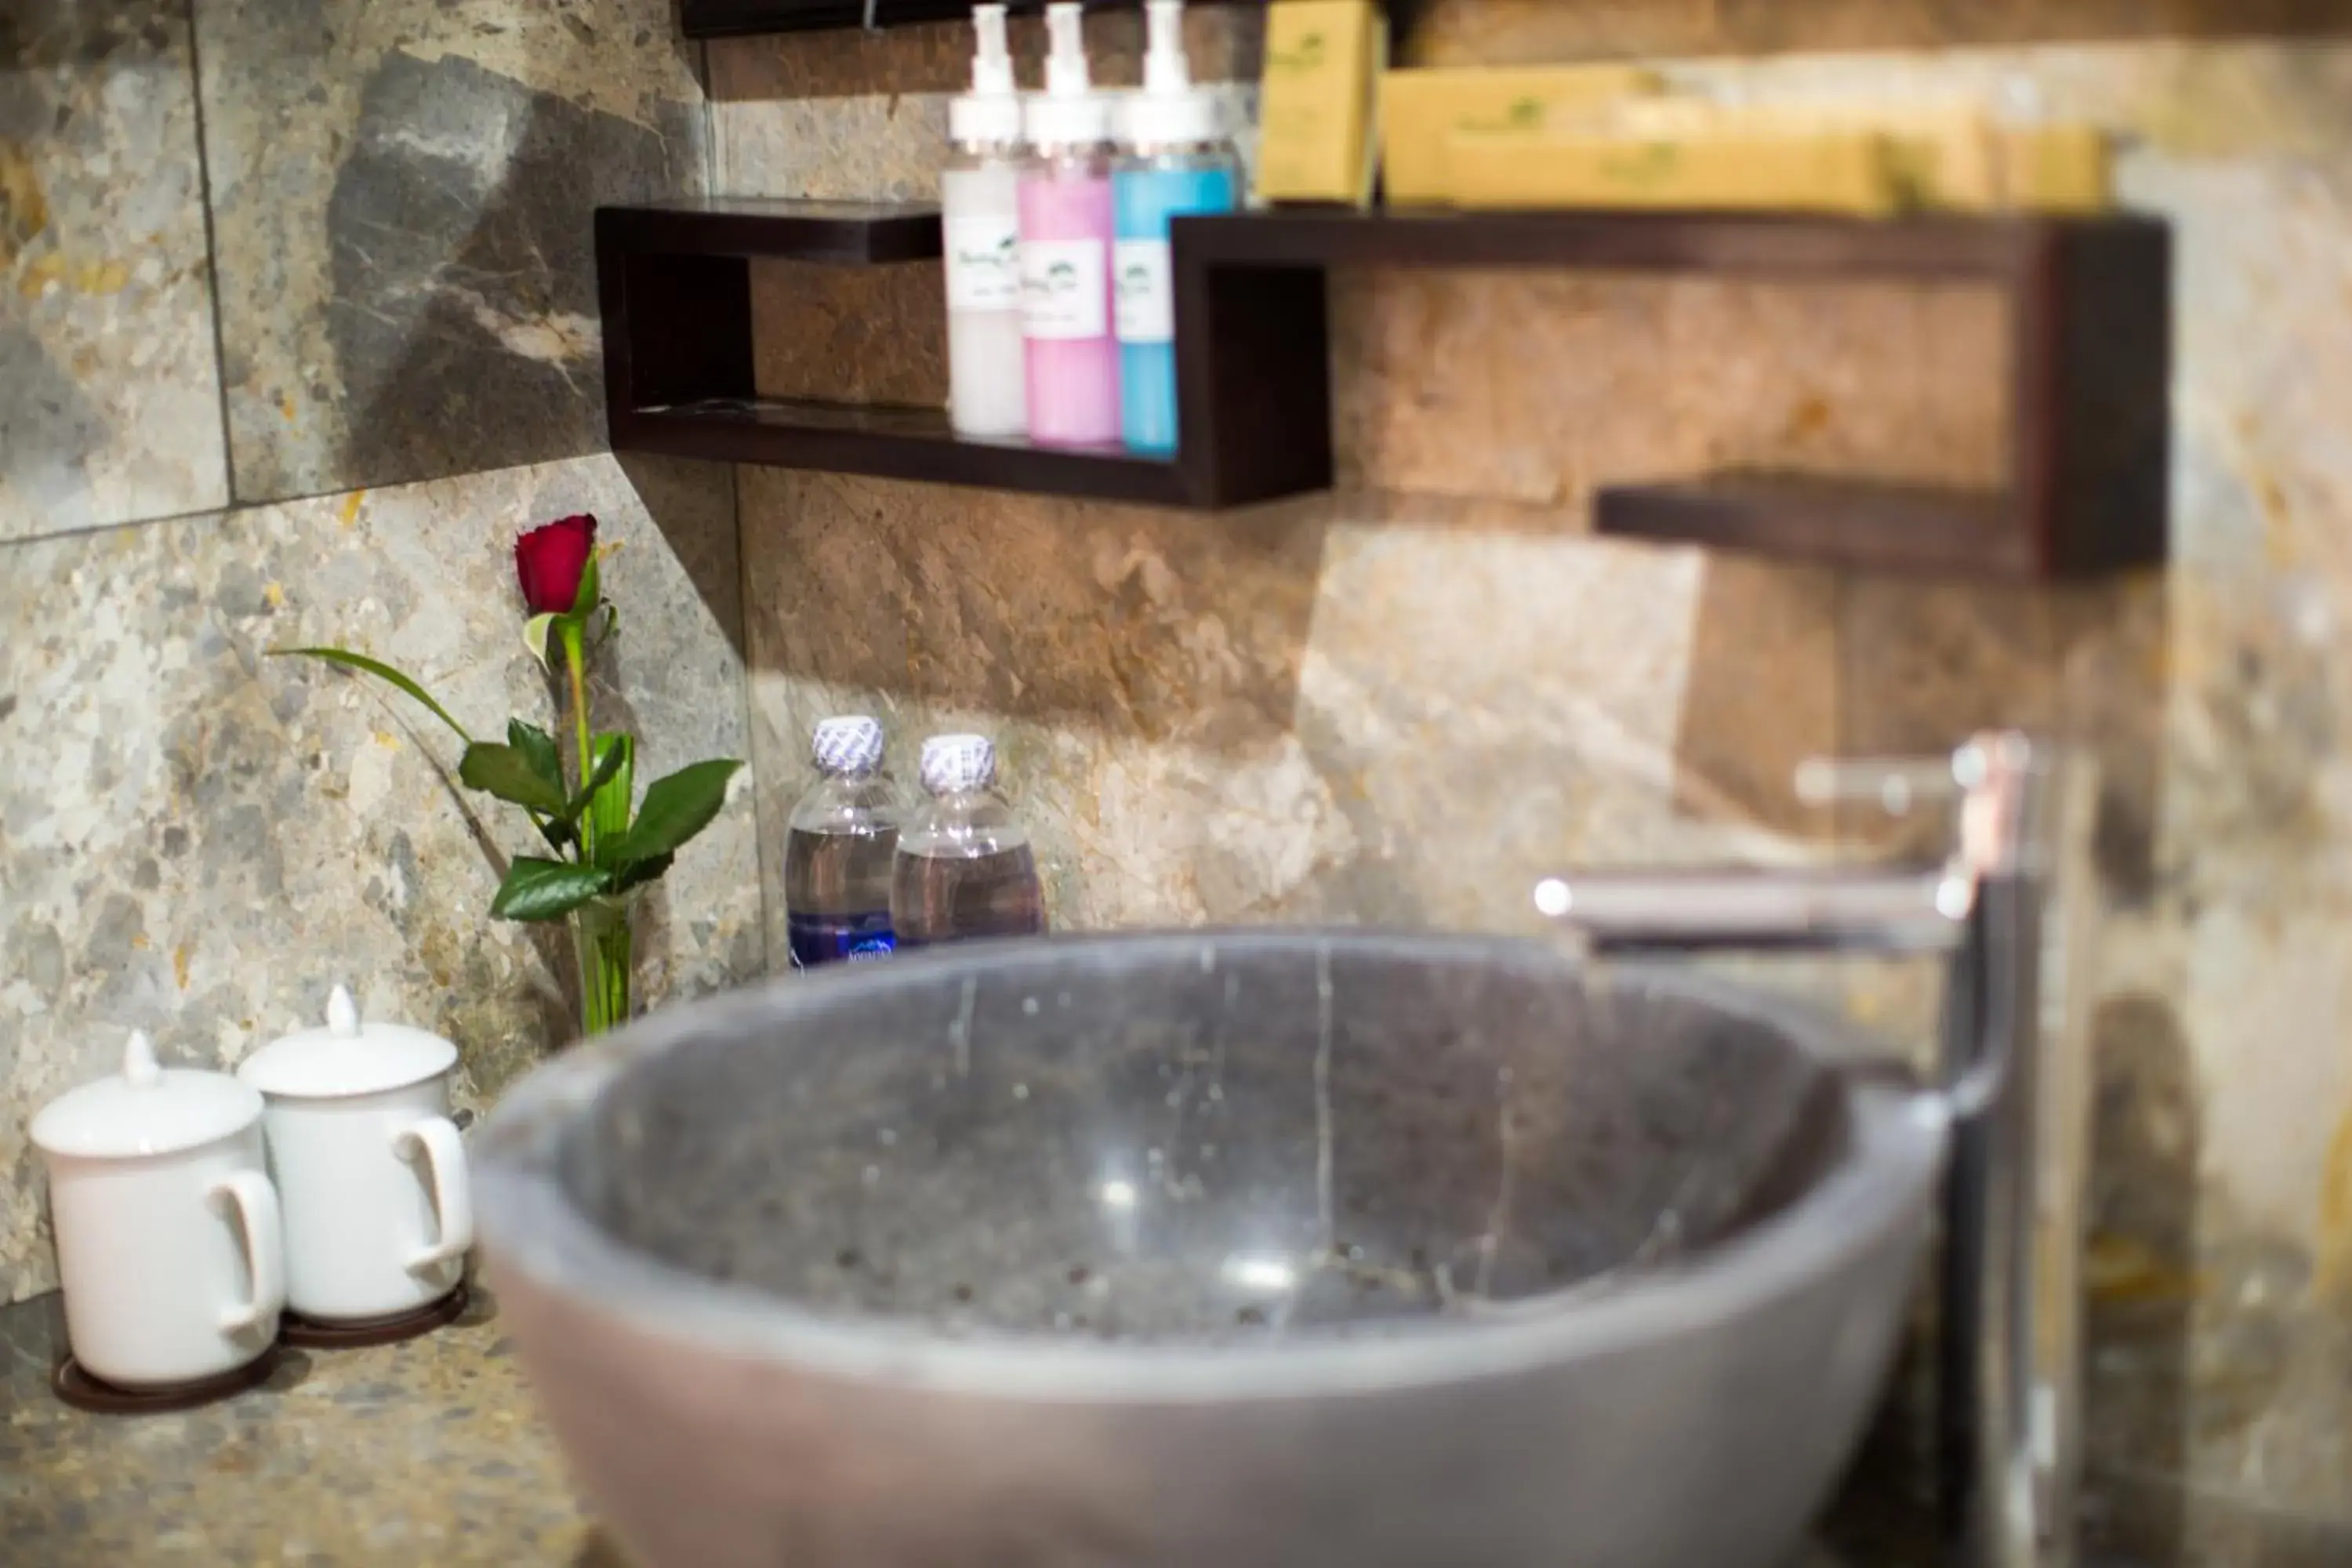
column 601, row 935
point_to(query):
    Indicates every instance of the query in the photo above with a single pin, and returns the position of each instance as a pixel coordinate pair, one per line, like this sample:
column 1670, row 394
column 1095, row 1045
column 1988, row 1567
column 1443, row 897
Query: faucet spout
column 2010, row 1414
column 1896, row 911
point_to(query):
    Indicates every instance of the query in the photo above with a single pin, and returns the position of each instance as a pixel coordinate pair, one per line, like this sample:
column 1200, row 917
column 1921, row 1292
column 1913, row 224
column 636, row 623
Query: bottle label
column 983, row 263
column 816, row 939
column 1146, row 291
column 1065, row 291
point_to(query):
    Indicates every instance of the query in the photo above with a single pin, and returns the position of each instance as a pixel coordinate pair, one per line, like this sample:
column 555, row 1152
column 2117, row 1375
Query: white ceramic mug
column 169, row 1242
column 369, row 1166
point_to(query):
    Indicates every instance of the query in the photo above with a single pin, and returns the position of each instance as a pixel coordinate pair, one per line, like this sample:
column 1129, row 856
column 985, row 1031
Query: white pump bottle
column 980, row 221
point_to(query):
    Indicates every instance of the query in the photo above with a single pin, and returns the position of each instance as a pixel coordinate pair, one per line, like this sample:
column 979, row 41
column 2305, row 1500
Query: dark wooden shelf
column 2090, row 355
column 674, row 283
column 1854, row 522
column 899, row 444
column 849, row 234
column 739, row 18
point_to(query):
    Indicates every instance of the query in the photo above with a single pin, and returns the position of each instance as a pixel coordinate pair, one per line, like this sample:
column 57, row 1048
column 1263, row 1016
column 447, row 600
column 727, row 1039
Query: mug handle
column 263, row 1236
column 436, row 1138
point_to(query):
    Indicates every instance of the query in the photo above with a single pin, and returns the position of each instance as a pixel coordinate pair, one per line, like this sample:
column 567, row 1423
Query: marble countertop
column 423, row 1452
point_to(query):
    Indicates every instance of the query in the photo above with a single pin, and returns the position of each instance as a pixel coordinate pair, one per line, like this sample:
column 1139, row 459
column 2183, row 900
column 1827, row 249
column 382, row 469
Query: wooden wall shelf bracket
column 2089, row 426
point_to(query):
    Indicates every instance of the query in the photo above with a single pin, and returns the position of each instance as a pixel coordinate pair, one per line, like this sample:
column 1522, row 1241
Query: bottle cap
column 1169, row 110
column 1069, row 112
column 991, row 111
column 848, row 743
column 952, row 763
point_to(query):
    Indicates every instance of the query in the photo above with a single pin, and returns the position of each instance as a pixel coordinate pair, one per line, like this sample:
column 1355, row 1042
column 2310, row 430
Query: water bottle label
column 983, row 263
column 1145, row 291
column 831, row 939
column 1065, row 290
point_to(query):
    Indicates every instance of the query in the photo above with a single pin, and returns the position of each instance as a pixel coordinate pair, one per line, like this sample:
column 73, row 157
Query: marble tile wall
column 110, row 392
column 1395, row 705
column 2222, row 1306
column 401, row 195
column 1399, row 704
column 197, row 839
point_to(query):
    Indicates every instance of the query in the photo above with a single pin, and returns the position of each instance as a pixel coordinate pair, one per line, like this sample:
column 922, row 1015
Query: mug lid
column 145, row 1108
column 347, row 1057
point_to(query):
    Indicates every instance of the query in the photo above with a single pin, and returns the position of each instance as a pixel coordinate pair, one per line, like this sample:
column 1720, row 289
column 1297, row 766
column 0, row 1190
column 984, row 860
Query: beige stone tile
column 198, row 840
column 1221, row 43
column 850, row 334
column 1543, row 386
column 401, row 193
column 1305, row 712
column 110, row 392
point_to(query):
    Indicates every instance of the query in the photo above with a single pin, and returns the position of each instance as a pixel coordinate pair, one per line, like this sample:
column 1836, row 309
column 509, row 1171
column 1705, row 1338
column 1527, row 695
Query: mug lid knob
column 145, row 1108
column 139, row 1068
column 343, row 1015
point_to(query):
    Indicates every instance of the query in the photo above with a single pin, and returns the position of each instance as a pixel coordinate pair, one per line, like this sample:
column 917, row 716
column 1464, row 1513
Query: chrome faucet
column 2002, row 909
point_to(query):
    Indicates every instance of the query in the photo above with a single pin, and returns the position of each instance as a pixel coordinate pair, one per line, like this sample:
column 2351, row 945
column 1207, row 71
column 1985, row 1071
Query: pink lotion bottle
column 1072, row 358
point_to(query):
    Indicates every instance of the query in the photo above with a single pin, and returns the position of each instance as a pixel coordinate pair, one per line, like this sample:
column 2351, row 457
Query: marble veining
column 428, row 1451
column 401, row 203
column 198, row 839
column 109, row 389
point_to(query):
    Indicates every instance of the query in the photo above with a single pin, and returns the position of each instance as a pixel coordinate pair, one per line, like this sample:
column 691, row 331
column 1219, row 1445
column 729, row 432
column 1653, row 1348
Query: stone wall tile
column 402, row 194
column 197, row 839
column 110, row 392
column 1295, row 713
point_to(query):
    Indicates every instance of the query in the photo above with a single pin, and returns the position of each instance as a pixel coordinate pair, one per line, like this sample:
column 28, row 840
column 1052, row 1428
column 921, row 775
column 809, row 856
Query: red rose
column 549, row 559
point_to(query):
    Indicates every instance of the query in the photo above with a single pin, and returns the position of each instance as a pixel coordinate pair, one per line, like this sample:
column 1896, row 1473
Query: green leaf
column 610, row 760
column 676, row 808
column 534, row 637
column 590, row 591
column 642, row 871
column 608, row 809
column 382, row 671
column 539, row 890
column 507, row 773
column 537, row 749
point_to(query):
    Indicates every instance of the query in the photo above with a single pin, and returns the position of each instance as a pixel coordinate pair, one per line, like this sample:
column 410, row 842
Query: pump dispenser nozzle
column 991, row 111
column 1164, row 67
column 991, row 60
column 1069, row 112
column 1066, row 57
column 1170, row 111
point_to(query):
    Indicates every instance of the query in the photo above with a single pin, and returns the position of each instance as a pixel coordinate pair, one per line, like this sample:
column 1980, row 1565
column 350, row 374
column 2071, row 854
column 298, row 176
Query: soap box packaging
column 1421, row 110
column 1316, row 104
column 1838, row 171
column 1860, row 158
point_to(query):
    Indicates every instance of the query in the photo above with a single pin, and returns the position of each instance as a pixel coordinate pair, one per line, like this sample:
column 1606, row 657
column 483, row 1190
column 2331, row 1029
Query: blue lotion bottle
column 1174, row 159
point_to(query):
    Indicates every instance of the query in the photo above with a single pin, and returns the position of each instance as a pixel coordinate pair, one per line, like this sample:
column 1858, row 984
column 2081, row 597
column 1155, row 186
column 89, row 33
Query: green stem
column 600, row 928
column 575, row 663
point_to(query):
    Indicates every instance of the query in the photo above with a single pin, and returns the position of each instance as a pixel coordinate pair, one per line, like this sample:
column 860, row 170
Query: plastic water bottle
column 964, row 866
column 837, row 851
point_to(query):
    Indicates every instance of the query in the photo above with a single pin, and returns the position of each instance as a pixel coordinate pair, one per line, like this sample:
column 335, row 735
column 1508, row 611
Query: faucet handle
column 1991, row 778
column 1897, row 784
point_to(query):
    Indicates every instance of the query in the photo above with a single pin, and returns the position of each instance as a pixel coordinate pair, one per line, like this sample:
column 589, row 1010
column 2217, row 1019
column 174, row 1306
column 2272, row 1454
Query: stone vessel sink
column 1257, row 1249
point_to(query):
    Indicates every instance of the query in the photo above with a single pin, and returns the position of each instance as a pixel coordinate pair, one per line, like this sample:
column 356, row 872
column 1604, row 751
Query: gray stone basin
column 1254, row 1248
